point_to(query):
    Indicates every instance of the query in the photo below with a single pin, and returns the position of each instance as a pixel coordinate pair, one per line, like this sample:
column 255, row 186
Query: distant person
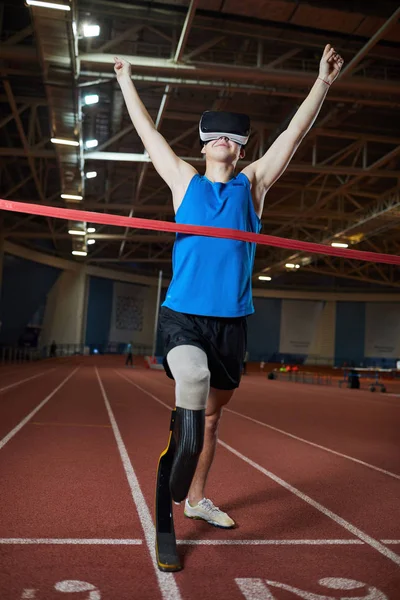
column 353, row 380
column 53, row 349
column 129, row 355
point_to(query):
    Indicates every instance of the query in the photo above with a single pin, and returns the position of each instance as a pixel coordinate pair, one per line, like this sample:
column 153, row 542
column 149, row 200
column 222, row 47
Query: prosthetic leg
column 176, row 467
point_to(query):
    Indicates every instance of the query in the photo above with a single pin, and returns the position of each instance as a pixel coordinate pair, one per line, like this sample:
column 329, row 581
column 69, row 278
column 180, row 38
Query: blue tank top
column 212, row 276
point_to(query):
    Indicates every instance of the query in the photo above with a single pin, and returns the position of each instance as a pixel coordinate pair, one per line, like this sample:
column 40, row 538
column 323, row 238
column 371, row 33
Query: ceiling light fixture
column 264, row 278
column 91, row 143
column 91, row 174
column 71, row 197
column 79, row 253
column 91, row 99
column 90, row 30
column 339, row 245
column 76, row 232
column 64, row 142
column 48, row 5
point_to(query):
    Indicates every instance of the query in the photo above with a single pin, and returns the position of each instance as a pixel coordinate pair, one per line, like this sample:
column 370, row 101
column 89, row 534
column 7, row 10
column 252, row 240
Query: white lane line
column 324, row 448
column 12, row 385
column 166, row 581
column 145, row 391
column 270, row 542
column 295, row 437
column 73, row 541
column 138, row 542
column 361, row 395
column 389, row 542
column 328, row 513
column 24, row 421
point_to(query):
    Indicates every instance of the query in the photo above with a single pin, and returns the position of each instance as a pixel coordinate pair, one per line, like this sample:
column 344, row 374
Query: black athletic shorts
column 224, row 341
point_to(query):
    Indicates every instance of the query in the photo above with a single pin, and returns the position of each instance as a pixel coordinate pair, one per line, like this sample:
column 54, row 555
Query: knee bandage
column 189, row 368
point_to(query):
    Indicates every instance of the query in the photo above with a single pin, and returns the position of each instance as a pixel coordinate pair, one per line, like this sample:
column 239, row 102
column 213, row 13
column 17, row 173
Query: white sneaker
column 206, row 510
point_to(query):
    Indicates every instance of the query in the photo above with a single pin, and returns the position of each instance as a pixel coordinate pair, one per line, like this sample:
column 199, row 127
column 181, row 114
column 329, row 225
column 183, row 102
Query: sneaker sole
column 213, row 523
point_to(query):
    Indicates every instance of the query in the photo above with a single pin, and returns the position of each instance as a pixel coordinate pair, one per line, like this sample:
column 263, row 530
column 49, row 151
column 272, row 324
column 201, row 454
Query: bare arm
column 264, row 172
column 175, row 171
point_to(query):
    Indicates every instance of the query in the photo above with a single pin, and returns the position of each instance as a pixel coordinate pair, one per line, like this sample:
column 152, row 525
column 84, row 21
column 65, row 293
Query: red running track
column 311, row 474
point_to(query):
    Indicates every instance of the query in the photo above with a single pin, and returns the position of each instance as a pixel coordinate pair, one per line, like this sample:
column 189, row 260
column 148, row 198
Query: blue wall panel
column 99, row 311
column 350, row 333
column 264, row 329
column 24, row 289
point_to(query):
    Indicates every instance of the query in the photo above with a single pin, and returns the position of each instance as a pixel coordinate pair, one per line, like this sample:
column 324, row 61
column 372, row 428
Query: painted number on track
column 68, row 586
column 261, row 589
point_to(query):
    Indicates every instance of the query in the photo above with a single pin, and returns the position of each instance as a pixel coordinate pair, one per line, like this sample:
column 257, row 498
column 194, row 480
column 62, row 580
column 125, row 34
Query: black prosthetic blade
column 166, row 550
column 189, row 430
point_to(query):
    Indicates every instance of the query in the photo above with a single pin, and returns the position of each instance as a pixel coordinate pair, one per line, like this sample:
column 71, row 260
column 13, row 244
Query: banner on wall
column 127, row 312
column 382, row 330
column 299, row 325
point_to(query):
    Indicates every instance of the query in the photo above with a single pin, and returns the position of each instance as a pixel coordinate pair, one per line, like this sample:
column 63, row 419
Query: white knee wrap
column 189, row 367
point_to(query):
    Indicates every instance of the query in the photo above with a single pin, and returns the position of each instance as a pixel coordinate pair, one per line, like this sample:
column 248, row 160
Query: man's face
column 223, row 149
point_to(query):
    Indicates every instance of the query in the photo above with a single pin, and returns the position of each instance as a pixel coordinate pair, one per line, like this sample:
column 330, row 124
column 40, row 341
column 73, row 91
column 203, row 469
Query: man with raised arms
column 203, row 318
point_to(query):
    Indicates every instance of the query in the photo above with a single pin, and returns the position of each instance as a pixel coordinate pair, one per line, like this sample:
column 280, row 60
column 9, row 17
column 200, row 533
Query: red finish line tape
column 216, row 232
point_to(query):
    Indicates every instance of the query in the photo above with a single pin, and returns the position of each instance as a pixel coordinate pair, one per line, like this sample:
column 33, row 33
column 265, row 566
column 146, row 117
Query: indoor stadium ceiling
column 255, row 56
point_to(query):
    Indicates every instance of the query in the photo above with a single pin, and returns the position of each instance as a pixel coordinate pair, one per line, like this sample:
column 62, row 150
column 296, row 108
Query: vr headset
column 216, row 124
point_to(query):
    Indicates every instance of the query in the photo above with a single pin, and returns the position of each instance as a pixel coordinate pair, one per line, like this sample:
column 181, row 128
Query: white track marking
column 189, row 542
column 24, row 421
column 71, row 586
column 320, row 542
column 270, row 542
column 258, row 589
column 361, row 395
column 72, row 541
column 254, row 589
column 299, row 439
column 166, row 581
column 295, row 437
column 328, row 513
column 391, row 542
column 12, row 385
column 333, row 516
column 145, row 391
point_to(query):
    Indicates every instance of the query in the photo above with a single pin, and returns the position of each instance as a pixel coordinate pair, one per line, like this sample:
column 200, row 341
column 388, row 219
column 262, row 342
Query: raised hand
column 122, row 67
column 330, row 65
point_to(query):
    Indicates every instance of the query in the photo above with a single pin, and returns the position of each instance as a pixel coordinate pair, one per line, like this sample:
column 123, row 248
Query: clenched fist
column 122, row 67
column 330, row 65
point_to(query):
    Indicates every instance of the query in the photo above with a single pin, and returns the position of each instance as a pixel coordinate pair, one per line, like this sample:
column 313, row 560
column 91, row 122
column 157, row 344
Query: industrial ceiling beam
column 293, row 167
column 384, row 205
column 229, row 72
column 349, row 68
column 344, row 275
